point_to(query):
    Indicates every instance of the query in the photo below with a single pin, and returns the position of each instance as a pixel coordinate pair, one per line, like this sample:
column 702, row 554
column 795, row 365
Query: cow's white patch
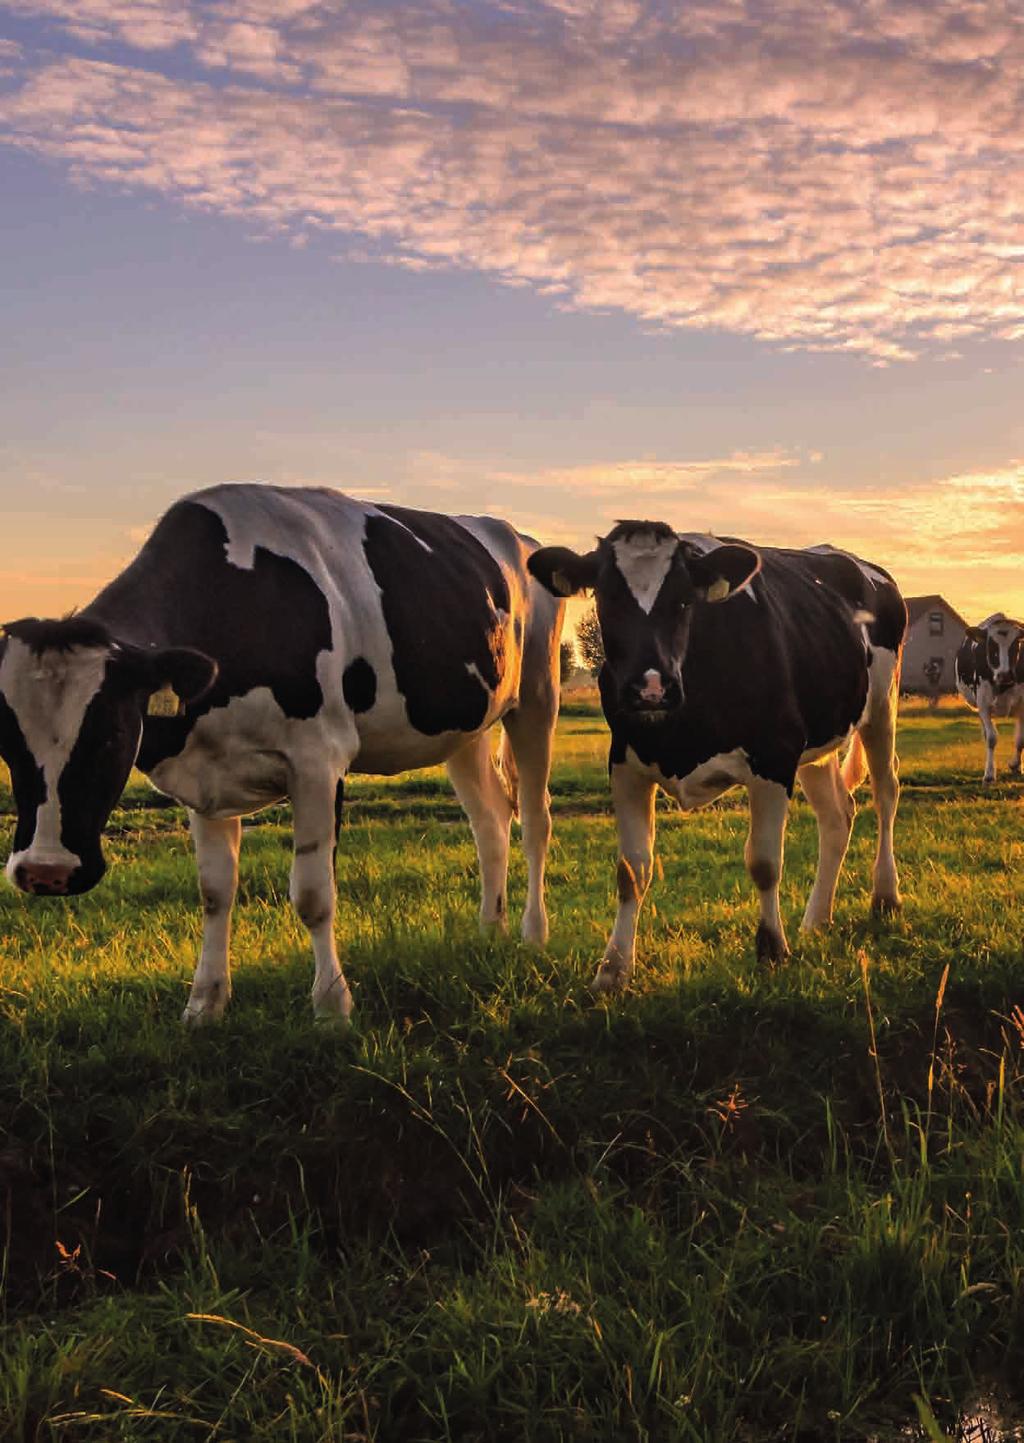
column 872, row 573
column 49, row 695
column 235, row 760
column 643, row 560
column 817, row 754
column 1009, row 702
column 704, row 783
column 882, row 670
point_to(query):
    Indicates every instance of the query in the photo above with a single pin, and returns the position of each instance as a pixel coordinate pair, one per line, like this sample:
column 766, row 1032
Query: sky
column 747, row 267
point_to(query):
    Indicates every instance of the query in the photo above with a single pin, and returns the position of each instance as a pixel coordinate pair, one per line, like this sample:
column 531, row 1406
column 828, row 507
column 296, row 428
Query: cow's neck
column 135, row 608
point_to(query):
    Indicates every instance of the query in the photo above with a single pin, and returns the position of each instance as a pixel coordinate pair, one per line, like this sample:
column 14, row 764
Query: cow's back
column 402, row 629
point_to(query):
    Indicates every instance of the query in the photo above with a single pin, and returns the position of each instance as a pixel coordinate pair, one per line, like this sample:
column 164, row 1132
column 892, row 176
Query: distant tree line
column 588, row 640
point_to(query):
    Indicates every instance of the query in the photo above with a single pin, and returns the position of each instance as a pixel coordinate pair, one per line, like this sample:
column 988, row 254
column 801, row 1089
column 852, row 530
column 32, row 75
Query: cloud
column 642, row 478
column 821, row 175
column 962, row 534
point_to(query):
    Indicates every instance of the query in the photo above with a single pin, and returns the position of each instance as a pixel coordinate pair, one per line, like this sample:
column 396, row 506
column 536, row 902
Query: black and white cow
column 702, row 696
column 990, row 677
column 307, row 635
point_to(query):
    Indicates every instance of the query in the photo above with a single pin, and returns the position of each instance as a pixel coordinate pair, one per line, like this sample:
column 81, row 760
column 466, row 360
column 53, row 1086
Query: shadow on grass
column 446, row 1094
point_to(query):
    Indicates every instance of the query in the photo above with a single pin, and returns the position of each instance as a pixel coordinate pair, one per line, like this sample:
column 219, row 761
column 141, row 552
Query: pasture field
column 738, row 1203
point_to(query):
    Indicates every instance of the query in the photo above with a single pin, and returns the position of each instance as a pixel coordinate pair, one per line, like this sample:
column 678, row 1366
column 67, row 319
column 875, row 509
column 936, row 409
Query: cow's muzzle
column 43, row 879
column 653, row 696
column 53, row 879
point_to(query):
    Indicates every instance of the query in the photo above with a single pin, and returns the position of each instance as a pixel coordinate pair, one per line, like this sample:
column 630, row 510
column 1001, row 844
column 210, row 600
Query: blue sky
column 752, row 268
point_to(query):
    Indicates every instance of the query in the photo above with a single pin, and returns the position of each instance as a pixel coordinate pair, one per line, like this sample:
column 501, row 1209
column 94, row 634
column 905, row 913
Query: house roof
column 918, row 605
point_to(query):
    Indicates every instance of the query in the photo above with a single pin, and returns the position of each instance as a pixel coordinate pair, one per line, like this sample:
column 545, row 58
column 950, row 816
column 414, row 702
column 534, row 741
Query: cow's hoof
column 770, row 946
column 988, row 781
column 815, row 924
column 610, row 977
column 535, row 930
column 882, row 906
column 332, row 1021
column 333, row 1007
column 198, row 1014
column 1013, row 772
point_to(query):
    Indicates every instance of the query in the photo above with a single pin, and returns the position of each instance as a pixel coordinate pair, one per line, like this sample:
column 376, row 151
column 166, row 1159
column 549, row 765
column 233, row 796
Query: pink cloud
column 822, row 175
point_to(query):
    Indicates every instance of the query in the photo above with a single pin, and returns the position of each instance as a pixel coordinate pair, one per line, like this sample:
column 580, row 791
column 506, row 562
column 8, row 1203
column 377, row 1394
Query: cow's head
column 999, row 643
column 72, row 699
column 646, row 581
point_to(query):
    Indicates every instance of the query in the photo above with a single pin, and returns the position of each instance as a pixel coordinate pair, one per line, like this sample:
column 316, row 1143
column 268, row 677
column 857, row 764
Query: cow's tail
column 505, row 763
column 855, row 763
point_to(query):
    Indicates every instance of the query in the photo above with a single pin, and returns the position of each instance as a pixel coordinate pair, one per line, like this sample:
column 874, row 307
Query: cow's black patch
column 880, row 598
column 969, row 669
column 445, row 604
column 96, row 771
column 265, row 626
column 339, row 807
column 359, row 684
column 27, row 781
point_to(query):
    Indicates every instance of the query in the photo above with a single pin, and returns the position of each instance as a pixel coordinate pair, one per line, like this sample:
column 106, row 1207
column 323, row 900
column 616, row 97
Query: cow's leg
column 486, row 801
column 988, row 729
column 312, row 887
column 769, row 808
column 216, row 844
column 1018, row 743
column 878, row 734
column 531, row 731
column 834, row 809
column 633, row 799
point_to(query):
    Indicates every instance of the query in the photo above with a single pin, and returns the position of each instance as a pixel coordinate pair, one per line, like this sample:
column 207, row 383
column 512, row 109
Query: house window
column 935, row 623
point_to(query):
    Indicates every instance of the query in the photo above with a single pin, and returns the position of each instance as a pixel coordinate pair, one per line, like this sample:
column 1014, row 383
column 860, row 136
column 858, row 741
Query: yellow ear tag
column 165, row 702
column 718, row 590
column 561, row 583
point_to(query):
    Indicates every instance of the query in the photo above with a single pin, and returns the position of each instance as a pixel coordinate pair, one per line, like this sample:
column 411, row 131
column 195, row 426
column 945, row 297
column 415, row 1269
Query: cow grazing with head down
column 727, row 665
column 306, row 636
column 990, row 677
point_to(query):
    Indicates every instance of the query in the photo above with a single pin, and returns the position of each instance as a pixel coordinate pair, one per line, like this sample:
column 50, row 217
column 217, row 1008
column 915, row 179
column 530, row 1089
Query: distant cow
column 306, row 635
column 990, row 677
column 702, row 696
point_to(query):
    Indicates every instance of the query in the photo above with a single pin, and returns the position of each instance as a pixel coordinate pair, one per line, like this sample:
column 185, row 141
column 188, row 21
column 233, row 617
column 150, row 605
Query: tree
column 566, row 661
column 588, row 639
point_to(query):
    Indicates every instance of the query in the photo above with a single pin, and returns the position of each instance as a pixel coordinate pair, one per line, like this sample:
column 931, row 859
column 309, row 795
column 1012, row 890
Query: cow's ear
column 977, row 633
column 562, row 571
column 179, row 669
column 719, row 574
column 187, row 672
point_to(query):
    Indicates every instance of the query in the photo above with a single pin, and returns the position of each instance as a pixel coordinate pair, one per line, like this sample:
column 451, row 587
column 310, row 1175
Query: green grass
column 499, row 1210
